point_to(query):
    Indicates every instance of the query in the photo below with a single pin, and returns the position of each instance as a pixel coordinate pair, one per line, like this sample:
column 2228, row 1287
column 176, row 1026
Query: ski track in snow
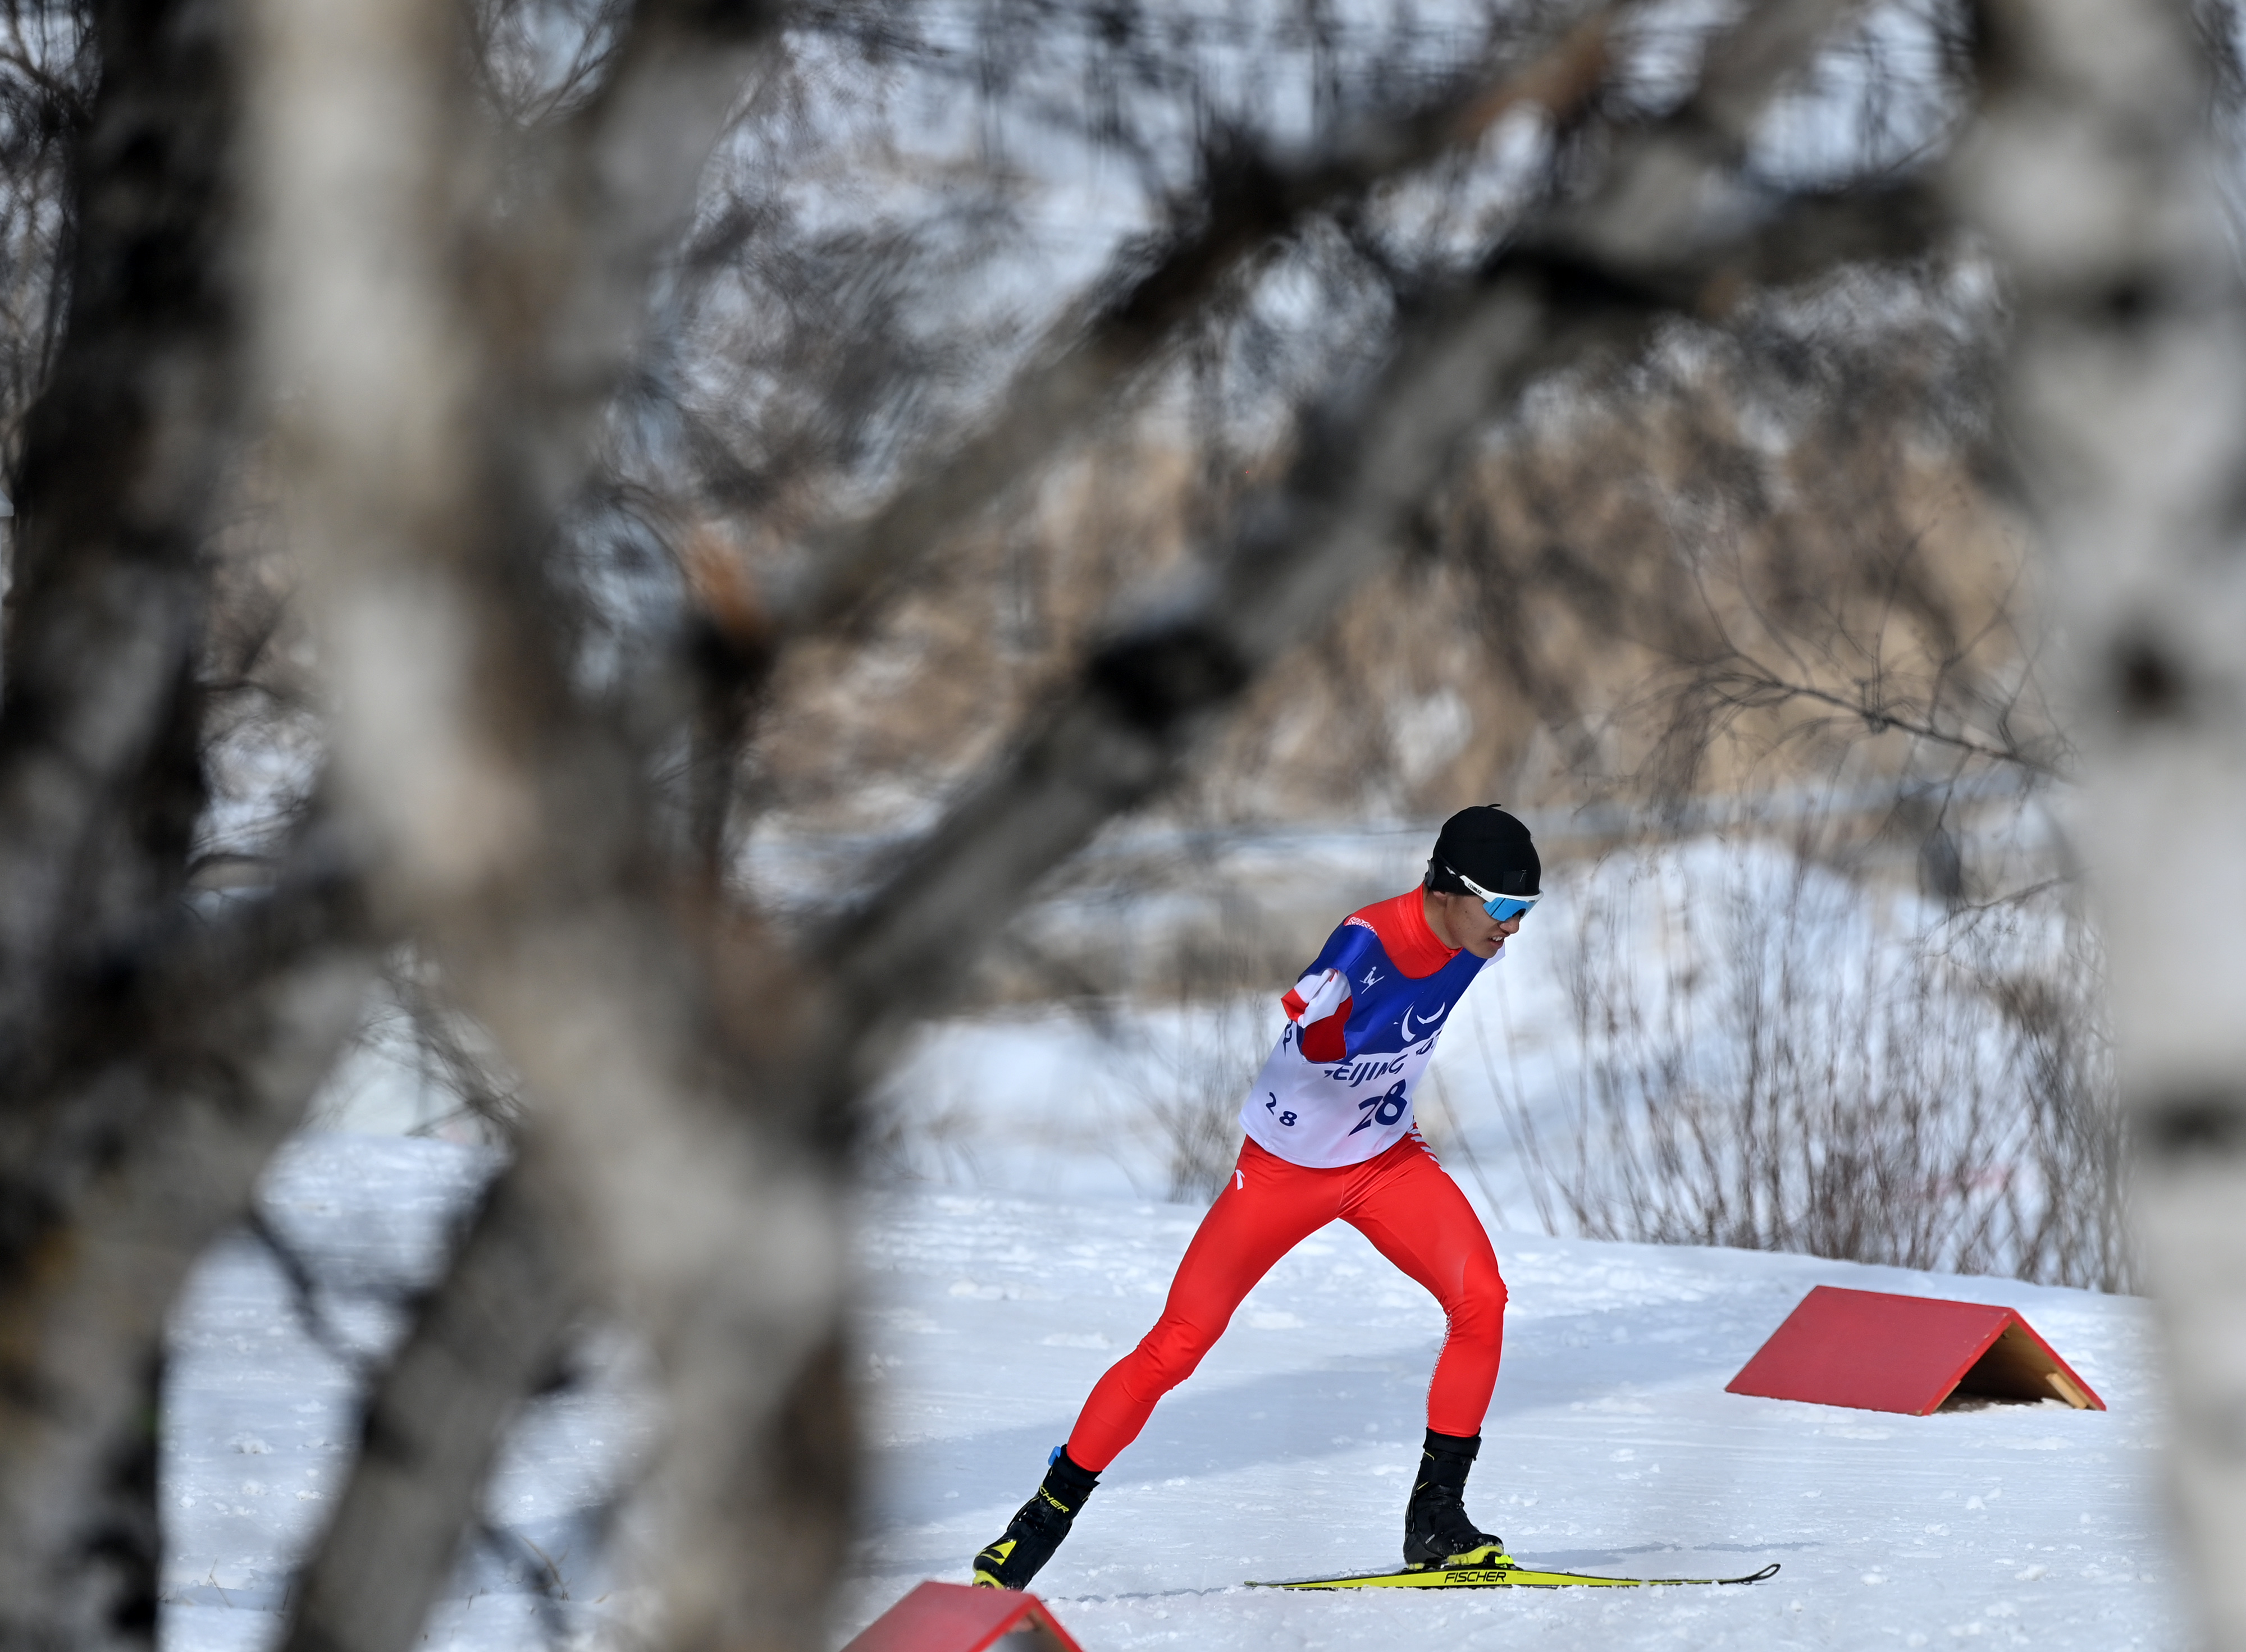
column 987, row 1316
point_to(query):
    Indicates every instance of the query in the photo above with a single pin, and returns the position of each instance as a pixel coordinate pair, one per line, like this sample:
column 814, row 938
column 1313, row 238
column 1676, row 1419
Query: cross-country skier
column 1330, row 1135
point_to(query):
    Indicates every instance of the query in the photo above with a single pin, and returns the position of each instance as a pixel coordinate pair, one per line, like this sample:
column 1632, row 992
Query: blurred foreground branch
column 2093, row 175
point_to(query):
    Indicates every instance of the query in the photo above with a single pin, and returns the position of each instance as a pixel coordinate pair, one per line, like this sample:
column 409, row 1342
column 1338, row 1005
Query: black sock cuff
column 1069, row 1475
column 1466, row 1446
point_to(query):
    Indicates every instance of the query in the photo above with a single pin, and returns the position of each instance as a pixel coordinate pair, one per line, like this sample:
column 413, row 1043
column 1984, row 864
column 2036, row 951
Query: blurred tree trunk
column 100, row 787
column 2094, row 172
column 100, row 783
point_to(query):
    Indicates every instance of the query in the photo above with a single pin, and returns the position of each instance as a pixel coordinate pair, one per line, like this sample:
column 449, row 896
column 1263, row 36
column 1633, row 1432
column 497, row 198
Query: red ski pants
column 1402, row 1200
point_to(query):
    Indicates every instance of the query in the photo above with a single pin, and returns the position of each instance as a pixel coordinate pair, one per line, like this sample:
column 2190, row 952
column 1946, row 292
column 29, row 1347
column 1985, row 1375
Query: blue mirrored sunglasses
column 1500, row 907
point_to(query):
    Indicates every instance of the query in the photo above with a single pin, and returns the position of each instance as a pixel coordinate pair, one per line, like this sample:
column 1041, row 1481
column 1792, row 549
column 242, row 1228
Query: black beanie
column 1488, row 846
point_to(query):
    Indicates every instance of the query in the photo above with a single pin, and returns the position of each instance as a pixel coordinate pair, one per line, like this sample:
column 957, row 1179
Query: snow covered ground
column 1611, row 1446
column 989, row 1314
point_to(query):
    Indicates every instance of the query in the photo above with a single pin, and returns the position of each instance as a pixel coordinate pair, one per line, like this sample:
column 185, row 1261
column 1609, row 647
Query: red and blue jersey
column 1361, row 1026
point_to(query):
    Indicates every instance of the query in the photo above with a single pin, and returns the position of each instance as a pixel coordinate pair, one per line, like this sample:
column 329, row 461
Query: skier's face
column 1460, row 922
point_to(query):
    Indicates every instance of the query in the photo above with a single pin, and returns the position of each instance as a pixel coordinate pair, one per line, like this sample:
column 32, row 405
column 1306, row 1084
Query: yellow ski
column 1502, row 1574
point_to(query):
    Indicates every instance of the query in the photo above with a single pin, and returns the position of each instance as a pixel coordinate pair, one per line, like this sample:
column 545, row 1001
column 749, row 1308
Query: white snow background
column 260, row 1414
column 1028, row 1246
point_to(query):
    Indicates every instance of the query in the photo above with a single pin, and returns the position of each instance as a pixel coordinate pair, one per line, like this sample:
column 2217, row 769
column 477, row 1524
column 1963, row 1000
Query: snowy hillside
column 988, row 1315
column 1611, row 1446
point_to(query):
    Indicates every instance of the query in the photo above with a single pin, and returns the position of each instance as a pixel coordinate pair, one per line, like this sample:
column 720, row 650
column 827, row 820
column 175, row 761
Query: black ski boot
column 1436, row 1529
column 1038, row 1526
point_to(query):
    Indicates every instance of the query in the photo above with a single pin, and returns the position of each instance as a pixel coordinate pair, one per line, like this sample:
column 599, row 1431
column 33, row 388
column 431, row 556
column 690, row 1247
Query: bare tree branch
column 619, row 183
column 1366, row 463
column 1743, row 681
column 490, row 1331
column 1248, row 201
column 1656, row 199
